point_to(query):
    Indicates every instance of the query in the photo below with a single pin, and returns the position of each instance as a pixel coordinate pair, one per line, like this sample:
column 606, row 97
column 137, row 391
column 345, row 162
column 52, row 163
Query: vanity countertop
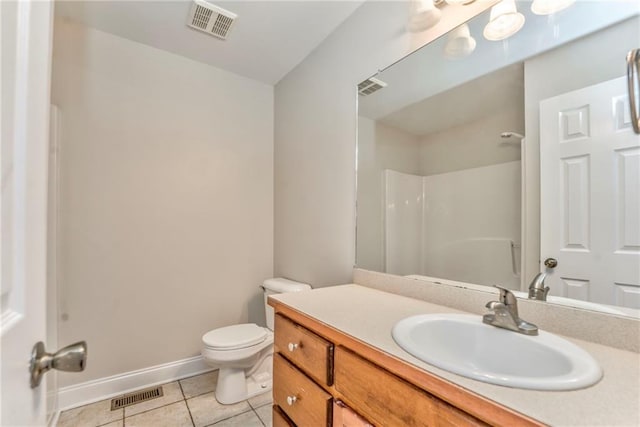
column 369, row 315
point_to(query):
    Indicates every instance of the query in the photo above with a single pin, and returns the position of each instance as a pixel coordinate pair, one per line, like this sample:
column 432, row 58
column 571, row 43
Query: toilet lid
column 235, row 336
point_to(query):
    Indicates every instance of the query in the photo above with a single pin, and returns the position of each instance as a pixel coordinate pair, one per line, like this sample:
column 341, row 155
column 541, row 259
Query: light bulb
column 423, row 16
column 504, row 21
column 459, row 43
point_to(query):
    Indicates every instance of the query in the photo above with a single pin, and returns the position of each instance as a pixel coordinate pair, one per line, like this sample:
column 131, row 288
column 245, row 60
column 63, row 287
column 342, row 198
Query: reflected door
column 590, row 195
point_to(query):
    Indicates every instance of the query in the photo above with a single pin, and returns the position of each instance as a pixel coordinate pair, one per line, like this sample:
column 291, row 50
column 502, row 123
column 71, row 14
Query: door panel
column 26, row 67
column 590, row 195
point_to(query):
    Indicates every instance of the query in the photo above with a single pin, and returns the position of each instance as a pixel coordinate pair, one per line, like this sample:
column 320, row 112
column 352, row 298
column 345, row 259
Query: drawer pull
column 292, row 346
column 291, row 400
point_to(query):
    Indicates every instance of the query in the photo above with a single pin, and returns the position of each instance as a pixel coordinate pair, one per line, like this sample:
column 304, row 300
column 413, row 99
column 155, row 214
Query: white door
column 590, row 195
column 25, row 54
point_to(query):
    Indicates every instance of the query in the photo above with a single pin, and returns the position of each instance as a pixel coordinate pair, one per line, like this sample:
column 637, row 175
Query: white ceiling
column 498, row 91
column 268, row 39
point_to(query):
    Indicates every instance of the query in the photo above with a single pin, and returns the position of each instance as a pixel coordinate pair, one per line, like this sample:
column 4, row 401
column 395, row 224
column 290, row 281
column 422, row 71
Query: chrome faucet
column 537, row 289
column 505, row 314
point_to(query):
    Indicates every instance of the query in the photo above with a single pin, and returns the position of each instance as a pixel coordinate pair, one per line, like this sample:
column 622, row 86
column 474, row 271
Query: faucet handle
column 494, row 305
column 506, row 314
column 506, row 296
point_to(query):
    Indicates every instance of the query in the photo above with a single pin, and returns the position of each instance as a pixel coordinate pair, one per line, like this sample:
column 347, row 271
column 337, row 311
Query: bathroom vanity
column 335, row 353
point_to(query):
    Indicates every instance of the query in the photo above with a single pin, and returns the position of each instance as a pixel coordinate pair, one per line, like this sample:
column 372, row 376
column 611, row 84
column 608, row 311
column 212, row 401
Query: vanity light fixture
column 504, row 21
column 424, row 15
column 549, row 7
column 459, row 43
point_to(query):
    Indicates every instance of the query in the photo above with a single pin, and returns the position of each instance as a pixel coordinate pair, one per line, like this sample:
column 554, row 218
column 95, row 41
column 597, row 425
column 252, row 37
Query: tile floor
column 189, row 402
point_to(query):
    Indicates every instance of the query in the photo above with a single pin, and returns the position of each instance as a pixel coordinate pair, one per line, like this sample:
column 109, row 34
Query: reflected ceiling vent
column 371, row 85
column 211, row 19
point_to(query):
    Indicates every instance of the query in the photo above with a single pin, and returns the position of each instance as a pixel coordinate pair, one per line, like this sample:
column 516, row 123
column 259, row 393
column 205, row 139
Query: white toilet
column 244, row 353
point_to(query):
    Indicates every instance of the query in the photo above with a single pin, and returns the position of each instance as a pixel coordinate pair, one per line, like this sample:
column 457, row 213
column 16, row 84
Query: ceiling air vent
column 211, row 19
column 371, row 85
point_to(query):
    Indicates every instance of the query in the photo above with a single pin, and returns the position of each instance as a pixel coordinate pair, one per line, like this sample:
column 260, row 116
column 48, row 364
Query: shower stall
column 462, row 225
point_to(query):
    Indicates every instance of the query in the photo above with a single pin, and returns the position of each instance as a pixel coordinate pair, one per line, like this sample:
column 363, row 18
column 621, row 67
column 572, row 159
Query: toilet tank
column 279, row 286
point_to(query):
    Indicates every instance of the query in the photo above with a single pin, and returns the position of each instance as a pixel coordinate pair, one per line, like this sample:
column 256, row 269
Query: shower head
column 511, row 134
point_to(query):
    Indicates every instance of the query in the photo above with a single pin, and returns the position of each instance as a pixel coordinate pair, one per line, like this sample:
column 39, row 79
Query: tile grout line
column 186, row 403
column 152, row 409
column 107, row 423
column 160, row 385
column 123, row 417
column 255, row 409
column 199, row 394
column 185, row 400
column 256, row 414
column 233, row 416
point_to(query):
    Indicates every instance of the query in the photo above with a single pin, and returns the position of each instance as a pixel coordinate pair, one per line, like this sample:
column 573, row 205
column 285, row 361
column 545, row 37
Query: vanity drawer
column 308, row 351
column 300, row 398
column 390, row 401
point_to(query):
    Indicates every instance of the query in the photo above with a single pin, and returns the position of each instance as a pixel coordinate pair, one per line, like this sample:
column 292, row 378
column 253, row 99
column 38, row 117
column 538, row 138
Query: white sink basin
column 462, row 344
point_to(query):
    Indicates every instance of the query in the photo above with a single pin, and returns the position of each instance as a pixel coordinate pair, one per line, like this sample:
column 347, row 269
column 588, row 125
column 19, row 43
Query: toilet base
column 258, row 384
column 233, row 387
column 237, row 384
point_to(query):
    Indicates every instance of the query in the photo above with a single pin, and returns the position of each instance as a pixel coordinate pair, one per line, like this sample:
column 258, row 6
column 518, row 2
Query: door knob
column 72, row 358
column 550, row 262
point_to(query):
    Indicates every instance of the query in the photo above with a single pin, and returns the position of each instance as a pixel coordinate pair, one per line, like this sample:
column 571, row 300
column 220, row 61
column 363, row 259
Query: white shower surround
column 462, row 225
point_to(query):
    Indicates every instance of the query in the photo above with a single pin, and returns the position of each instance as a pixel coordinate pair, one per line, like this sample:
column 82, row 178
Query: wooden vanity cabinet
column 388, row 400
column 279, row 419
column 318, row 370
column 343, row 416
column 302, row 369
column 298, row 396
column 304, row 348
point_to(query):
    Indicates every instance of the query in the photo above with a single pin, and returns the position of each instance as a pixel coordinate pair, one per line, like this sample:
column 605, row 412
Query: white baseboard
column 108, row 387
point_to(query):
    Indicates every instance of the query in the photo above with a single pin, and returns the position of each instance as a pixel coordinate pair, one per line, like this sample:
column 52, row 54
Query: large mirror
column 487, row 162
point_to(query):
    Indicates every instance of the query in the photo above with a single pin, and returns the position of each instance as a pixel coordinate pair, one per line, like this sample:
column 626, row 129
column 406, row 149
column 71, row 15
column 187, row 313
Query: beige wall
column 472, row 145
column 315, row 137
column 166, row 200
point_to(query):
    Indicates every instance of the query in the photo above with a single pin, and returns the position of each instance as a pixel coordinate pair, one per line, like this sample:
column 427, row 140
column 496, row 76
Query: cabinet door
column 279, row 419
column 343, row 416
column 299, row 397
column 310, row 352
column 387, row 400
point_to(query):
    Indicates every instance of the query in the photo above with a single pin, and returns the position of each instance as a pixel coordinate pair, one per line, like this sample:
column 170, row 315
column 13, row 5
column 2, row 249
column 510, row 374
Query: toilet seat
column 234, row 337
